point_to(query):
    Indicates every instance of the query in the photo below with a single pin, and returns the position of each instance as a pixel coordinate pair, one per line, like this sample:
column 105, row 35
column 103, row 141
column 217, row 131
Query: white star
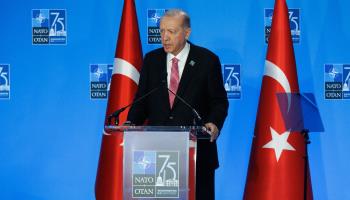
column 279, row 143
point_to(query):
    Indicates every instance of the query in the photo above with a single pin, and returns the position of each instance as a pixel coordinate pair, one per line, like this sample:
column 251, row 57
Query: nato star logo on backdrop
column 232, row 80
column 100, row 78
column 337, row 81
column 154, row 17
column 4, row 81
column 49, row 26
column 153, row 22
column 294, row 22
column 40, row 18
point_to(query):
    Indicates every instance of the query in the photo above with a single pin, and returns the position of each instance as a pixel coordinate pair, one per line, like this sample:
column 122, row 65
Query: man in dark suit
column 193, row 73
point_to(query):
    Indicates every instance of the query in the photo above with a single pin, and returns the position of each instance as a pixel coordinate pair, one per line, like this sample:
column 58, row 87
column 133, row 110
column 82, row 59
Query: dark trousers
column 205, row 184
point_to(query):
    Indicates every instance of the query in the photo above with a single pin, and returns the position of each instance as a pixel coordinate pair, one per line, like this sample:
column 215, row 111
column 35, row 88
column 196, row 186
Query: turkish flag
column 124, row 81
column 276, row 166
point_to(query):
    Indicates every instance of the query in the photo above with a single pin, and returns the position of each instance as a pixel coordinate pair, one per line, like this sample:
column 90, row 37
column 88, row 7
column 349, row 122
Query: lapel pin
column 192, row 63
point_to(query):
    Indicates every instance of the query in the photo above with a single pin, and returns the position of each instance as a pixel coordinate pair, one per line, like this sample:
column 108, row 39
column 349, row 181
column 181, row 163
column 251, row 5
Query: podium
column 159, row 162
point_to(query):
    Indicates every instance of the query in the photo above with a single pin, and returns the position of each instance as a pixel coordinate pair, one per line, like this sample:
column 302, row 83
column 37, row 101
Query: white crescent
column 276, row 73
column 125, row 68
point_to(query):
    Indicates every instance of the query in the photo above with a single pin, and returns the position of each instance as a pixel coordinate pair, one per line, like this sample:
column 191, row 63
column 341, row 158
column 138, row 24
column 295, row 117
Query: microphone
column 197, row 118
column 116, row 113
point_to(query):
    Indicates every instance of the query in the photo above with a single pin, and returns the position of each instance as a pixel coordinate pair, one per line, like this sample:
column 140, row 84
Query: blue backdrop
column 51, row 123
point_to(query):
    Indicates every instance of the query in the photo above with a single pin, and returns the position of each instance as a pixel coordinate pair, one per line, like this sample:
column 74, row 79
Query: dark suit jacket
column 201, row 85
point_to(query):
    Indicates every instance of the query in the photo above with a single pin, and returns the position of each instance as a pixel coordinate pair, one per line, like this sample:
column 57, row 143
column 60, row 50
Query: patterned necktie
column 174, row 80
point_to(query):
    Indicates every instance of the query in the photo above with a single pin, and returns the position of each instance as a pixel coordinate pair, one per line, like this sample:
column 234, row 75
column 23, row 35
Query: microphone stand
column 116, row 114
column 305, row 133
column 196, row 115
column 197, row 119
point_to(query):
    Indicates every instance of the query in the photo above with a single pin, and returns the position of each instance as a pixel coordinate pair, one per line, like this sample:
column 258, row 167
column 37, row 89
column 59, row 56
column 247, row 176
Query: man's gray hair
column 179, row 12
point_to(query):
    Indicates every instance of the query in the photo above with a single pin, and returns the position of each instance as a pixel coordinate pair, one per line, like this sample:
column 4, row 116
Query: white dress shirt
column 182, row 57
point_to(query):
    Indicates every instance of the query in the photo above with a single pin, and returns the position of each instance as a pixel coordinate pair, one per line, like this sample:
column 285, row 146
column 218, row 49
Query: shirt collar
column 182, row 55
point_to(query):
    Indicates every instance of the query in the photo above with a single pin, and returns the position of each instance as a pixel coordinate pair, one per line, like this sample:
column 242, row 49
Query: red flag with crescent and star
column 124, row 81
column 276, row 166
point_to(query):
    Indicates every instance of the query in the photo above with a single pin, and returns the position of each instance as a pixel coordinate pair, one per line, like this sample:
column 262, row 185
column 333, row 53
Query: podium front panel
column 156, row 165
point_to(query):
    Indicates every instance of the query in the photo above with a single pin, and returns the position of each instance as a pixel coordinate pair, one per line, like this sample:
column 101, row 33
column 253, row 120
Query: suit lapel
column 163, row 70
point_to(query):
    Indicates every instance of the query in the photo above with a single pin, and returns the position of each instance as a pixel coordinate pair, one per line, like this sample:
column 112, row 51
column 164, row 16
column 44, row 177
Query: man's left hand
column 213, row 129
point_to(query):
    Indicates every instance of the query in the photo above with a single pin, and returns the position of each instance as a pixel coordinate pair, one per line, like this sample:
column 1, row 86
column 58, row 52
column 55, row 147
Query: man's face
column 173, row 34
